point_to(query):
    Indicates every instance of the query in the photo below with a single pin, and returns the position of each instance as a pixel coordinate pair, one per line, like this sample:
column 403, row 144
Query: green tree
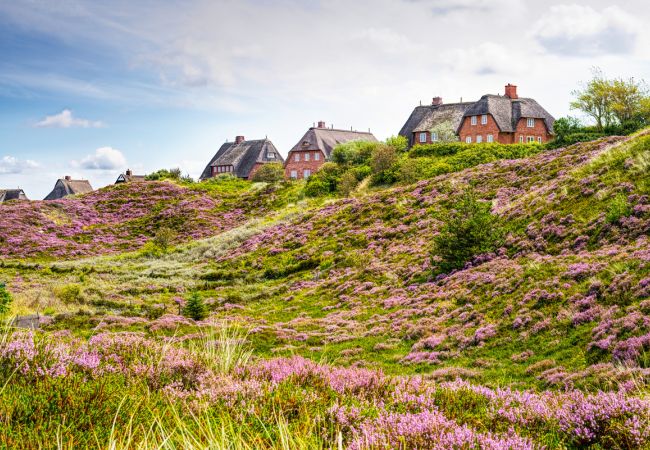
column 595, row 99
column 5, row 299
column 470, row 229
column 270, row 173
column 382, row 162
column 195, row 308
column 348, row 183
column 399, row 143
column 626, row 98
column 565, row 126
column 445, row 132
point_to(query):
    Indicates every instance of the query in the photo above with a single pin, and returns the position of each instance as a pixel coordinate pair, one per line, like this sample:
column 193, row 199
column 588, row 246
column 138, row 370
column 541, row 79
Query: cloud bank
column 13, row 165
column 65, row 119
column 104, row 158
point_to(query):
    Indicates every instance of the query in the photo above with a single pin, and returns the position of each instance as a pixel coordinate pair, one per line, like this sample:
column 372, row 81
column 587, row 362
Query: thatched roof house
column 12, row 194
column 128, row 177
column 67, row 186
column 242, row 158
column 423, row 118
column 315, row 148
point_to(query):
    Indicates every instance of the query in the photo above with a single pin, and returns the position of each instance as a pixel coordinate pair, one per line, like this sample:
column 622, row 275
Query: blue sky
column 90, row 88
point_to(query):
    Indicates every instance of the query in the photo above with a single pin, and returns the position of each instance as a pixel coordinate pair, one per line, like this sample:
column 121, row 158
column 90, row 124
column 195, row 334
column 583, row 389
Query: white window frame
column 474, row 120
column 484, row 119
column 307, row 156
column 539, row 139
column 530, row 122
column 306, row 173
column 270, row 155
column 316, row 156
column 490, row 138
column 521, row 139
column 423, row 138
column 296, row 157
column 468, row 140
column 434, row 136
column 294, row 174
column 479, row 138
column 530, row 139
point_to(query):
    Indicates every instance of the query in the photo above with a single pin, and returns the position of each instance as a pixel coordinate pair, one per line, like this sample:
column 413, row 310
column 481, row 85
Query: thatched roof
column 423, row 118
column 66, row 186
column 325, row 139
column 507, row 111
column 12, row 194
column 128, row 177
column 243, row 156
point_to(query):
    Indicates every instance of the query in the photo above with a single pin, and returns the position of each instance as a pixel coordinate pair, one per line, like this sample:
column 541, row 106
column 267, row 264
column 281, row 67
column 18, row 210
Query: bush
column 169, row 174
column 470, row 229
column 399, row 143
column 325, row 181
column 348, row 183
column 269, row 173
column 353, row 153
column 408, row 171
column 69, row 293
column 195, row 308
column 452, row 148
column 5, row 299
column 163, row 238
column 618, row 208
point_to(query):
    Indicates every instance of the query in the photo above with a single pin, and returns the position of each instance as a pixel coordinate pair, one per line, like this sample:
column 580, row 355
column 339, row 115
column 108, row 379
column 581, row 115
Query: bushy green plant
column 399, row 143
column 163, row 238
column 353, row 153
column 325, row 181
column 347, row 184
column 269, row 173
column 470, row 229
column 195, row 308
column 69, row 293
column 169, row 174
column 618, row 208
column 5, row 299
column 382, row 164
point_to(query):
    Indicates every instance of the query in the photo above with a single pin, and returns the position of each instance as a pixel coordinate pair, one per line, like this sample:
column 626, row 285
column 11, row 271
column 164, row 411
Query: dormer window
column 270, row 155
column 474, row 121
column 484, row 119
column 305, row 143
column 530, row 122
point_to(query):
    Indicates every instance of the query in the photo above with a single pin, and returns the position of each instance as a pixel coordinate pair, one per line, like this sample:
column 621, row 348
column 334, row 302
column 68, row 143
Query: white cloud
column 577, row 30
column 104, row 158
column 65, row 119
column 13, row 165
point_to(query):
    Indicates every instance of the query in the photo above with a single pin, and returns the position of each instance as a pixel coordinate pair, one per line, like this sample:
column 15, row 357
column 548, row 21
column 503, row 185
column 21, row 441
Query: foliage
column 195, row 307
column 68, row 293
column 269, row 173
column 445, row 132
column 5, row 299
column 174, row 174
column 382, row 164
column 164, row 238
column 399, row 143
column 470, row 229
column 347, row 184
column 353, row 153
column 618, row 208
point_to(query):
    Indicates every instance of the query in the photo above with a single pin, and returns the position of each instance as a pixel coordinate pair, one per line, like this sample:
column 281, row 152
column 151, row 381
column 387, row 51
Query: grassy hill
column 508, row 347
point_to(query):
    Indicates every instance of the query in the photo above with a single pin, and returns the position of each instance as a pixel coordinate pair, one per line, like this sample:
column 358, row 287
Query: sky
column 90, row 88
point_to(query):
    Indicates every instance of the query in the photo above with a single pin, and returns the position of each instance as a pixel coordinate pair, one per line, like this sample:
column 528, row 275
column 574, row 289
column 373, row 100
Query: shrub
column 382, row 164
column 169, row 174
column 353, row 153
column 5, row 299
column 470, row 229
column 618, row 208
column 269, row 173
column 409, row 171
column 195, row 308
column 348, row 183
column 325, row 181
column 163, row 238
column 399, row 143
column 69, row 293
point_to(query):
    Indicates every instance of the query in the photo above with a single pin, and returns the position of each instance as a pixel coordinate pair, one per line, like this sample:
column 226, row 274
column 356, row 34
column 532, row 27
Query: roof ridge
column 340, row 129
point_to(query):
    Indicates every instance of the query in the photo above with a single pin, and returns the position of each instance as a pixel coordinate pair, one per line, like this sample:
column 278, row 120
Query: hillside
column 563, row 306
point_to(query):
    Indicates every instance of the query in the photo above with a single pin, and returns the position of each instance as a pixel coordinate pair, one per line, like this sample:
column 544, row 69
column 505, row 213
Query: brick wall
column 255, row 168
column 539, row 130
column 300, row 166
column 491, row 127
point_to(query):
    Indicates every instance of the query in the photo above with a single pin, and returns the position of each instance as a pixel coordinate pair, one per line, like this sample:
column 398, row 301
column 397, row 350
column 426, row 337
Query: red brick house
column 242, row 158
column 506, row 119
column 315, row 148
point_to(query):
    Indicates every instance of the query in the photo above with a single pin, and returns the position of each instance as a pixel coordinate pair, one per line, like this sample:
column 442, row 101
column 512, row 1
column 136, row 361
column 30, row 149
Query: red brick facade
column 255, row 168
column 523, row 133
column 300, row 161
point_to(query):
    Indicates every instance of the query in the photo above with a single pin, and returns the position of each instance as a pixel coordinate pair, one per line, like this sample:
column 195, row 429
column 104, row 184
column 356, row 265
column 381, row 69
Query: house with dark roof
column 67, row 186
column 128, row 177
column 242, row 158
column 12, row 194
column 315, row 148
column 493, row 118
column 417, row 128
column 506, row 119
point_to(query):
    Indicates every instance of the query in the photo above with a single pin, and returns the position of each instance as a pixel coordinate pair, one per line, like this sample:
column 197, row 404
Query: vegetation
column 270, row 173
column 5, row 299
column 195, row 308
column 169, row 174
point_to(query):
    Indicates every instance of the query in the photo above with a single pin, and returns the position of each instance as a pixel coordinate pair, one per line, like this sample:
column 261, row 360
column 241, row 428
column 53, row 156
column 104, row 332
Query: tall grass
column 223, row 349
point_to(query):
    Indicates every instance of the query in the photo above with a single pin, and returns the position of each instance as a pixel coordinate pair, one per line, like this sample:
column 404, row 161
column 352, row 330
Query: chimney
column 437, row 101
column 239, row 139
column 321, row 124
column 128, row 172
column 511, row 91
column 68, row 178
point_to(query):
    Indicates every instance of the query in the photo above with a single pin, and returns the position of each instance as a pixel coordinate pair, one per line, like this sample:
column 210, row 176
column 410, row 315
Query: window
column 479, row 139
column 530, row 122
column 530, row 139
column 270, row 155
column 484, row 119
column 473, row 120
column 521, row 139
column 306, row 173
column 468, row 140
column 434, row 137
column 297, row 157
column 423, row 137
column 316, row 156
column 490, row 138
column 539, row 139
column 294, row 174
column 307, row 155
